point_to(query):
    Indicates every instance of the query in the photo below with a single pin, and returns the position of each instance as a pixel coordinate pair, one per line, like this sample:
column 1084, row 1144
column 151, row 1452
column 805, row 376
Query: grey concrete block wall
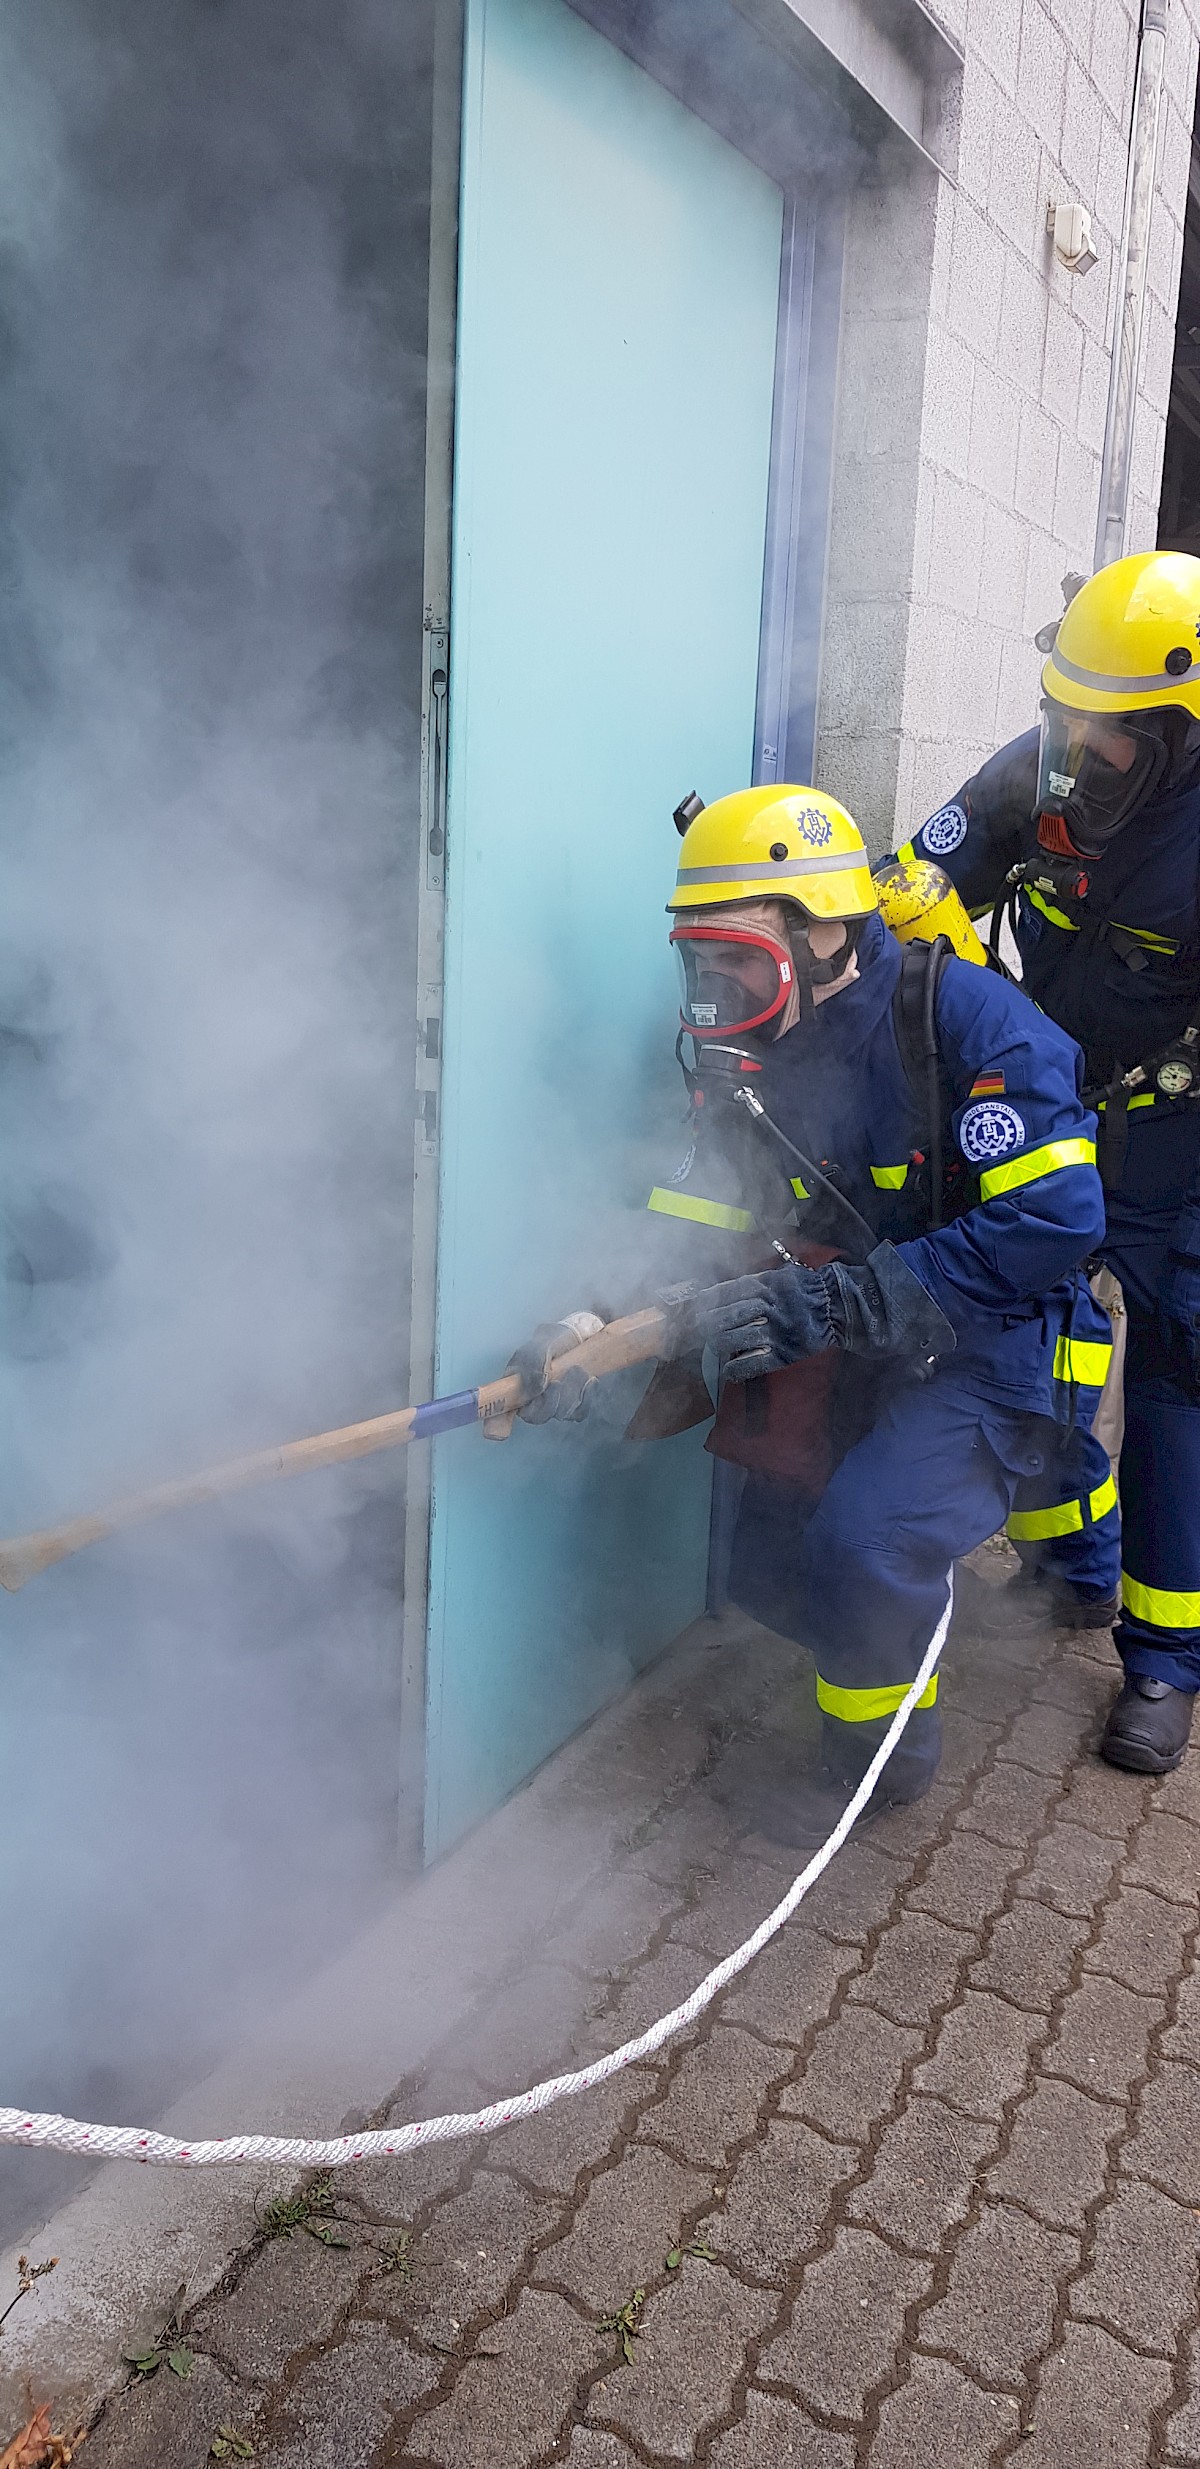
column 972, row 396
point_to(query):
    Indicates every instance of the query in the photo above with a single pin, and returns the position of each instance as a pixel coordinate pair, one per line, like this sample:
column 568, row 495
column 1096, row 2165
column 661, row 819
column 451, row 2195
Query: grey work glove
column 554, row 1401
column 764, row 1323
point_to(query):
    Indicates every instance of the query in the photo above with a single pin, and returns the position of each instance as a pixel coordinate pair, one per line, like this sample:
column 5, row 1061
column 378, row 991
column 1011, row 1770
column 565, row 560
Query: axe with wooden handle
column 635, row 1340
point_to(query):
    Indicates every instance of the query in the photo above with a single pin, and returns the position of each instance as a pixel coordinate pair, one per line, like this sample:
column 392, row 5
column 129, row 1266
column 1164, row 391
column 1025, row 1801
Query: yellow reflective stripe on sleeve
column 1035, row 1163
column 1037, row 1525
column 868, row 1705
column 800, row 1189
column 1082, row 1360
column 890, row 1178
column 1160, row 1606
column 1056, row 916
column 700, row 1212
column 1102, row 1500
column 908, row 853
column 1134, row 1102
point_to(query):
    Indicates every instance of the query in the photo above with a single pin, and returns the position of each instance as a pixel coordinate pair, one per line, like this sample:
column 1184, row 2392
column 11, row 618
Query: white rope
column 337, row 2151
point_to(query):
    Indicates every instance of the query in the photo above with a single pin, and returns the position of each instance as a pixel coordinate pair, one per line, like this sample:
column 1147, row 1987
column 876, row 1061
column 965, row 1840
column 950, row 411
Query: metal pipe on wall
column 1116, row 468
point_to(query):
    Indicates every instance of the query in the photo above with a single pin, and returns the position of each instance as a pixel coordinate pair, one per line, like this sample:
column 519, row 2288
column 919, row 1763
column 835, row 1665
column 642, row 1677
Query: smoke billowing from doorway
column 212, row 321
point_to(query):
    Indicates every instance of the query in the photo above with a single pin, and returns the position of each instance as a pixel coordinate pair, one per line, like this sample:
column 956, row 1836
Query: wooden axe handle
column 635, row 1340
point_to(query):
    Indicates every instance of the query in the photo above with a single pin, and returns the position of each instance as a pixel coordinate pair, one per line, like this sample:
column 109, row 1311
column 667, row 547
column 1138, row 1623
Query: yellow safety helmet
column 1130, row 640
column 1121, row 715
column 773, row 843
column 740, row 975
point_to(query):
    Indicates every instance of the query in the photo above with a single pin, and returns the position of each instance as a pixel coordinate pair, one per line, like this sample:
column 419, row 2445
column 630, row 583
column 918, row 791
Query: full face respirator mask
column 1095, row 770
column 748, row 982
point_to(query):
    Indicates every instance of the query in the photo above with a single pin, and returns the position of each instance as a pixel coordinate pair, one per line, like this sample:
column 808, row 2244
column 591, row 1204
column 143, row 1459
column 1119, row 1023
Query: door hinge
column 436, row 752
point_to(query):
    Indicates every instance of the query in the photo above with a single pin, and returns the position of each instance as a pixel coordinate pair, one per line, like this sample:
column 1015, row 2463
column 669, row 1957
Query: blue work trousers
column 1158, row 1633
column 864, row 1583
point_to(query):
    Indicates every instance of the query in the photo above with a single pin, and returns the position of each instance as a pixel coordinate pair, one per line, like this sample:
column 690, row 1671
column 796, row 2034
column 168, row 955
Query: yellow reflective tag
column 700, row 1212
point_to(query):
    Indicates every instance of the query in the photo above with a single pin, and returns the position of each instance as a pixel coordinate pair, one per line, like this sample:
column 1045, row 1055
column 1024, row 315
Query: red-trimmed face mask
column 735, row 978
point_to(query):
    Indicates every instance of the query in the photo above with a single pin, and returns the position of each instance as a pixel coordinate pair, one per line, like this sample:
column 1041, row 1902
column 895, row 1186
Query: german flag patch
column 989, row 1084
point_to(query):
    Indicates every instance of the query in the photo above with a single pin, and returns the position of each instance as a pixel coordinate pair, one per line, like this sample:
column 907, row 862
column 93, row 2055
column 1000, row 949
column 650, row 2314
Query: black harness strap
column 914, row 1015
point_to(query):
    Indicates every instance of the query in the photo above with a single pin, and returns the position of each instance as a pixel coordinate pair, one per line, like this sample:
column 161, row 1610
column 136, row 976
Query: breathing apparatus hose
column 813, row 1179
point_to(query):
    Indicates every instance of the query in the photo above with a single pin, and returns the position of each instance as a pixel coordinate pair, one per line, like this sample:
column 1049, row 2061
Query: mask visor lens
column 732, row 981
column 1095, row 770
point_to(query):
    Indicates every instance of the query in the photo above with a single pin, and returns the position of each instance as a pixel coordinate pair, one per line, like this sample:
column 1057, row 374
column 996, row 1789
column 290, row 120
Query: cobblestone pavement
column 923, row 2188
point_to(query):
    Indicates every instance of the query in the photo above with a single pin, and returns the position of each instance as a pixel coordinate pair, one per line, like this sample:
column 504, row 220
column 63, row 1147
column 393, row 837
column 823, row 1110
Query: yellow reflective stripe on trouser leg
column 1083, row 1360
column 1051, row 1159
column 868, row 1705
column 1102, row 1500
column 1161, row 1607
column 700, row 1212
column 1038, row 1525
column 1065, row 1518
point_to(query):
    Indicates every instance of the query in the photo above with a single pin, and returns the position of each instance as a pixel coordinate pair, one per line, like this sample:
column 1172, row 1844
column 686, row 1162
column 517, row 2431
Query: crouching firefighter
column 888, row 1190
column 1088, row 831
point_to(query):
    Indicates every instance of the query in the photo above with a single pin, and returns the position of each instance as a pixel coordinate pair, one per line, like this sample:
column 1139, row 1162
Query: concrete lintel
column 890, row 52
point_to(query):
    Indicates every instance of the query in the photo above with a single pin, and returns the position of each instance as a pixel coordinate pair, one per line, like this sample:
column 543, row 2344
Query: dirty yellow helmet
column 775, row 843
column 1121, row 716
column 741, row 975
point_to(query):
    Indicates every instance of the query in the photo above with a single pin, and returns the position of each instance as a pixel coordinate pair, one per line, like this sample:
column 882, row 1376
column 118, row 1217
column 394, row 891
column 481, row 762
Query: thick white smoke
column 212, row 322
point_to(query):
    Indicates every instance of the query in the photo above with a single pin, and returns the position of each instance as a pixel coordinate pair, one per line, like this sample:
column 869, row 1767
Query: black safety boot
column 1035, row 1600
column 763, row 1787
column 1071, row 1610
column 1147, row 1730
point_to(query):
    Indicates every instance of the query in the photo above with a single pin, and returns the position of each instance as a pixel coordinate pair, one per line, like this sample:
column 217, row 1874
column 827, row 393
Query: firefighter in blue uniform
column 950, row 1308
column 1088, row 831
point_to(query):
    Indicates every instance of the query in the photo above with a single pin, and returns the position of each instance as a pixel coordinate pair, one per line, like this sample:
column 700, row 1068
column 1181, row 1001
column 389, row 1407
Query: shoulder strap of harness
column 914, row 1016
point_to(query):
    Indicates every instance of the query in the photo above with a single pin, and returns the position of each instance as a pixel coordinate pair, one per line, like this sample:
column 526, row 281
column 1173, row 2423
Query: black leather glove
column 761, row 1324
column 557, row 1401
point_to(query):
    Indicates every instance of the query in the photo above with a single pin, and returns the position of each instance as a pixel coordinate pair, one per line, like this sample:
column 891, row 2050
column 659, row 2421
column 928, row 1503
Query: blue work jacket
column 1119, row 970
column 1007, row 1271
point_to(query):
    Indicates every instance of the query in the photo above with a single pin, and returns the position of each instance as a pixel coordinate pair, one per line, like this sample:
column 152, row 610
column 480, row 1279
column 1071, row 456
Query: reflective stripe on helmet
column 1052, row 1159
column 700, row 1212
column 1162, row 682
column 850, row 861
column 1161, row 1607
column 868, row 1705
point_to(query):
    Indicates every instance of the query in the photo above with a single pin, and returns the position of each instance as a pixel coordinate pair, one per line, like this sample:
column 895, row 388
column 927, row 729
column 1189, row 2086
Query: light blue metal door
column 618, row 290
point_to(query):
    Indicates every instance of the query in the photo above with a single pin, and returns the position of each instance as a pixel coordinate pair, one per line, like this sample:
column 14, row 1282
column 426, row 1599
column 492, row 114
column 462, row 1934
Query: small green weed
column 626, row 2324
column 309, row 2210
column 229, row 2444
column 169, row 2350
column 396, row 2254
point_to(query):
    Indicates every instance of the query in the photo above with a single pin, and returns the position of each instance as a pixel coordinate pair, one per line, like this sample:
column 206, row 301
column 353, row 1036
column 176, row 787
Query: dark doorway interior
column 1179, row 505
